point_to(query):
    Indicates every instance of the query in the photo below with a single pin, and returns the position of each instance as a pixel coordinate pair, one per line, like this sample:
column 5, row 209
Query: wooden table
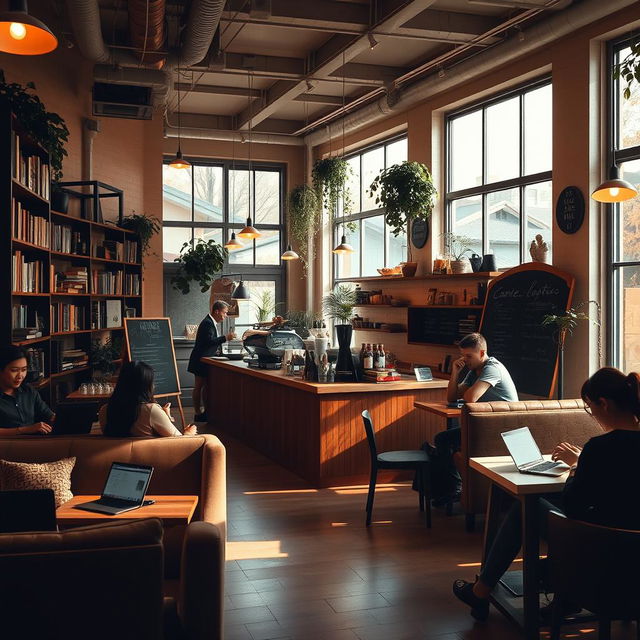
column 76, row 395
column 172, row 510
column 527, row 488
column 440, row 409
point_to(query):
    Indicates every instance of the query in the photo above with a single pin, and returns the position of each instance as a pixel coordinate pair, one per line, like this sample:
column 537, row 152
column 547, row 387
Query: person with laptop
column 22, row 410
column 132, row 410
column 601, row 488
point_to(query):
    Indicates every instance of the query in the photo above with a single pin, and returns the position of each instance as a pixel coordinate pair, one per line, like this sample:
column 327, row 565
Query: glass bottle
column 382, row 360
column 362, row 351
column 368, row 358
column 375, row 355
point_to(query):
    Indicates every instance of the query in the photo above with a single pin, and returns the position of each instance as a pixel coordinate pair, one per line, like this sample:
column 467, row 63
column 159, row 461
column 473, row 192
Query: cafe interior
column 367, row 184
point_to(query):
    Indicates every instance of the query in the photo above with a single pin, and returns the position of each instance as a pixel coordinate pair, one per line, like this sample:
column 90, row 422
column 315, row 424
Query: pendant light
column 179, row 162
column 344, row 246
column 240, row 292
column 615, row 189
column 233, row 243
column 249, row 231
column 289, row 254
column 22, row 34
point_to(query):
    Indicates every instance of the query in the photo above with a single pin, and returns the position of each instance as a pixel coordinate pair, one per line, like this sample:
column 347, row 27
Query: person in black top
column 22, row 410
column 602, row 486
column 208, row 343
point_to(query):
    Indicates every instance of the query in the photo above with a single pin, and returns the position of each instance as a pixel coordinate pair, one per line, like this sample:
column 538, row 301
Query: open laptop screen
column 127, row 482
column 522, row 446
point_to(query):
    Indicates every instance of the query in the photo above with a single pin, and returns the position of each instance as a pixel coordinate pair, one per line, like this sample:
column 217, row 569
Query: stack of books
column 73, row 280
column 26, row 333
column 381, row 375
column 64, row 359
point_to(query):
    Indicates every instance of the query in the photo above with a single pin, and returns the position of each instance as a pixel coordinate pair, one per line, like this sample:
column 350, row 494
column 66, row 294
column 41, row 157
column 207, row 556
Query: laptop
column 124, row 489
column 75, row 418
column 526, row 454
column 27, row 511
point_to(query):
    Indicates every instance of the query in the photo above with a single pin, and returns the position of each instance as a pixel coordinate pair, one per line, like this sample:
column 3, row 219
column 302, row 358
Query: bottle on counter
column 382, row 360
column 362, row 351
column 368, row 358
column 374, row 351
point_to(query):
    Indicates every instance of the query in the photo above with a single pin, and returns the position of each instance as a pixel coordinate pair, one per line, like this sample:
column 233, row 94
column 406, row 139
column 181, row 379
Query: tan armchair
column 106, row 581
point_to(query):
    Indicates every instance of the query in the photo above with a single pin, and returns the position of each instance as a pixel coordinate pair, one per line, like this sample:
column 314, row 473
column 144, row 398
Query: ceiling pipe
column 233, row 136
column 536, row 37
column 146, row 30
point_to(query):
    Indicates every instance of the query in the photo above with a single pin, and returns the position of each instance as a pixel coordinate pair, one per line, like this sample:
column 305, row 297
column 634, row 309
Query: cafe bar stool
column 416, row 460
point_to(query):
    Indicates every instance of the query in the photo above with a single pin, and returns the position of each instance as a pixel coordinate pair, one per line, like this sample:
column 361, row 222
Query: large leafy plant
column 304, row 221
column 406, row 191
column 339, row 304
column 45, row 127
column 199, row 263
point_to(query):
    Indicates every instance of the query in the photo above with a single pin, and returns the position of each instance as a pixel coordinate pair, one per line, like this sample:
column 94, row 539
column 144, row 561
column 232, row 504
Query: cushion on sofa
column 26, row 476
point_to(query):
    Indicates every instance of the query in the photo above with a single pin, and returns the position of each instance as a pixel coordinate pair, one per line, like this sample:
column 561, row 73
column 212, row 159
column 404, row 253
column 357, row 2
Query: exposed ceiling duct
column 233, row 136
column 536, row 37
column 146, row 30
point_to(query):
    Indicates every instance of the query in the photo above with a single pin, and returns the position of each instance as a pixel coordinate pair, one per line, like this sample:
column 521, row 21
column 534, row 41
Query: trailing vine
column 329, row 180
column 305, row 218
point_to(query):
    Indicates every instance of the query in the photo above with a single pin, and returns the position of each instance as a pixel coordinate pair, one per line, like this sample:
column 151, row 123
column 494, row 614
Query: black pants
column 444, row 478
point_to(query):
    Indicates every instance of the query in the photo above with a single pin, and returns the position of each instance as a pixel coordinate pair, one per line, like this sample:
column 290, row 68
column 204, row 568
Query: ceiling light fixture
column 179, row 162
column 289, row 254
column 233, row 243
column 343, row 247
column 614, row 189
column 373, row 43
column 22, row 34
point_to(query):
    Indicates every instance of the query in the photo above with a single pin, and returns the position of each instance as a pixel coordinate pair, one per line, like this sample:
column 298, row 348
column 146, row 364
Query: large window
column 624, row 230
column 498, row 184
column 374, row 244
column 212, row 200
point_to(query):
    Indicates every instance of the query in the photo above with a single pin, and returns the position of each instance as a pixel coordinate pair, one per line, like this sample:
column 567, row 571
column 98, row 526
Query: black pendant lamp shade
column 22, row 34
column 240, row 292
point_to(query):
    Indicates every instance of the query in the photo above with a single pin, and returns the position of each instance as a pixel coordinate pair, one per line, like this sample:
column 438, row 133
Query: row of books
column 29, row 227
column 110, row 249
column 25, row 316
column 131, row 251
column 106, row 282
column 67, row 317
column 72, row 280
column 66, row 240
column 106, row 314
column 30, row 170
column 27, row 276
column 381, row 375
column 35, row 364
column 64, row 359
column 132, row 284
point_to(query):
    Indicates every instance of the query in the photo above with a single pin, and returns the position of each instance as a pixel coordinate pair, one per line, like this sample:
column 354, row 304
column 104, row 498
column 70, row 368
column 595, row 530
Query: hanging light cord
column 250, row 128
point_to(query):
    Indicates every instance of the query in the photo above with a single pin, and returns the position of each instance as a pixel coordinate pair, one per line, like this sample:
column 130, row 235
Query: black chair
column 416, row 460
column 597, row 568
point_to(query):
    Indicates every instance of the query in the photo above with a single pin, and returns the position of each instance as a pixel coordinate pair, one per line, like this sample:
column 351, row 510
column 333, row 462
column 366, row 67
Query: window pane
column 176, row 194
column 537, row 130
column 353, row 185
column 373, row 245
column 628, row 129
column 396, row 248
column 248, row 310
column 267, row 197
column 466, row 151
column 397, row 152
column 372, row 164
column 629, row 243
column 503, row 140
column 238, row 195
column 503, row 216
column 207, row 186
column 172, row 240
column 627, row 294
column 539, row 212
column 466, row 217
column 347, row 265
column 208, row 234
column 268, row 247
column 243, row 255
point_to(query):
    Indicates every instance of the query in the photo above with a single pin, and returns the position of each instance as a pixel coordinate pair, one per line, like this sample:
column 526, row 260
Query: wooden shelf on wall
column 481, row 275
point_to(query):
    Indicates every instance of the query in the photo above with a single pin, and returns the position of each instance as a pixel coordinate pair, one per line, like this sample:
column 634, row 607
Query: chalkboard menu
column 441, row 325
column 570, row 209
column 149, row 340
column 516, row 303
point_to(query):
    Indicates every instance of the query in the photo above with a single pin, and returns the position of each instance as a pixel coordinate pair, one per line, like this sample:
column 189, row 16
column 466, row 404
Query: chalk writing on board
column 570, row 210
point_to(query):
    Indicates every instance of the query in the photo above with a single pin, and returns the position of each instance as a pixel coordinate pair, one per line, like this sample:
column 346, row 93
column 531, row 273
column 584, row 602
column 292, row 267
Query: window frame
column 483, row 190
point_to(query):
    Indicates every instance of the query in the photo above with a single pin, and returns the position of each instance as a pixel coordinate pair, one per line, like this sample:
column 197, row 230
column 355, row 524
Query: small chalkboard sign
column 423, row 374
column 419, row 233
column 570, row 210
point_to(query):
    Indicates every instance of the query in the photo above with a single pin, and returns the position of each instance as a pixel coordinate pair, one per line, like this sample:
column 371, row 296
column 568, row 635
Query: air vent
column 122, row 101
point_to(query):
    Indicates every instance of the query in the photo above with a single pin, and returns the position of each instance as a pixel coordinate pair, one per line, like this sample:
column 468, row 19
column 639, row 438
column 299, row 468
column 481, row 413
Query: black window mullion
column 521, row 213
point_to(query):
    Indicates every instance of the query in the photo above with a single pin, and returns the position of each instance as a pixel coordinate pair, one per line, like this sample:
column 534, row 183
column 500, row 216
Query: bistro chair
column 416, row 460
column 596, row 568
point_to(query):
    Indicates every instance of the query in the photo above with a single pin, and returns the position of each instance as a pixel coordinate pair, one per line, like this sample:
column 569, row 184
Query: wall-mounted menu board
column 441, row 325
column 514, row 308
column 149, row 340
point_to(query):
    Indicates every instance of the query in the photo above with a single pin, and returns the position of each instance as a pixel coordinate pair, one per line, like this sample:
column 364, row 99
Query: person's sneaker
column 443, row 501
column 568, row 610
column 200, row 417
column 463, row 590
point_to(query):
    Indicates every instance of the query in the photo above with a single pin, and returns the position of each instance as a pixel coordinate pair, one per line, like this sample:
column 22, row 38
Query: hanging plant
column 47, row 128
column 198, row 263
column 629, row 69
column 406, row 191
column 330, row 177
column 144, row 226
column 304, row 221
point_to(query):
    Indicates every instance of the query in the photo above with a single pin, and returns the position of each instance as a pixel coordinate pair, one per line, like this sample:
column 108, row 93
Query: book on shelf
column 109, row 249
column 131, row 251
column 114, row 313
column 72, row 280
column 64, row 359
column 65, row 240
column 26, row 275
column 67, row 317
column 29, row 227
column 35, row 364
column 132, row 284
column 106, row 282
column 381, row 375
column 30, row 170
column 26, row 333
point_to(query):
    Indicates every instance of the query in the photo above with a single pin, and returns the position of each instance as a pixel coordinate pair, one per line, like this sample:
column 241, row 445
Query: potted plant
column 304, row 222
column 456, row 246
column 265, row 306
column 329, row 180
column 302, row 321
column 199, row 263
column 103, row 357
column 144, row 227
column 45, row 127
column 338, row 305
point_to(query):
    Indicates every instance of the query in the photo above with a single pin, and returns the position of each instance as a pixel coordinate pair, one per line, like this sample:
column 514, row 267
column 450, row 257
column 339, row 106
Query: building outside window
column 498, row 181
column 210, row 201
column 624, row 220
column 375, row 246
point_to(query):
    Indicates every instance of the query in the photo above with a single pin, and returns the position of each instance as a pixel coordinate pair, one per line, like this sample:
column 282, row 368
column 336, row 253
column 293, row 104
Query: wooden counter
column 314, row 429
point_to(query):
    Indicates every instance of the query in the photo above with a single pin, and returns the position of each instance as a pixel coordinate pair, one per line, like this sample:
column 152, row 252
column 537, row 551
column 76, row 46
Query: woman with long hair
column 602, row 486
column 132, row 410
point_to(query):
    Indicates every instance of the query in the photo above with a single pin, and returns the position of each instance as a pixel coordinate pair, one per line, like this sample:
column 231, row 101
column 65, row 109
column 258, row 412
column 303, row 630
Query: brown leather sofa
column 550, row 421
column 106, row 581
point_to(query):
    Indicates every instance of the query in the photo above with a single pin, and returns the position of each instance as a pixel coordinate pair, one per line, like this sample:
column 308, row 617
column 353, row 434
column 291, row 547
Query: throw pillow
column 21, row 476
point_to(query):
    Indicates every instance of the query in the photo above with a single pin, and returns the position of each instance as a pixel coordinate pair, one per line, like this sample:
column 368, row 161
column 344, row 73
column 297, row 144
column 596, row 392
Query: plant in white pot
column 456, row 247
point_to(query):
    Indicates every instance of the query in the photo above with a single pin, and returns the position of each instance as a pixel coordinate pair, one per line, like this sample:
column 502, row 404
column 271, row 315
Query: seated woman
column 22, row 410
column 601, row 488
column 132, row 411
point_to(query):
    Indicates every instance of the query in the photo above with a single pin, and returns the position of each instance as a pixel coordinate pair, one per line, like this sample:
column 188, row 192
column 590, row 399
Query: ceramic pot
column 59, row 200
column 461, row 266
column 476, row 262
column 488, row 262
column 409, row 269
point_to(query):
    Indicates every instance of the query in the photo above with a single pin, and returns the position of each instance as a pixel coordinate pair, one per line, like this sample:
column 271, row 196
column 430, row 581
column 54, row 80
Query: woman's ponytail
column 633, row 380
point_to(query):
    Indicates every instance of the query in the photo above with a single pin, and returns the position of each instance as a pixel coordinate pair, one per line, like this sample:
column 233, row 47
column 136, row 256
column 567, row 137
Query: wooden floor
column 302, row 565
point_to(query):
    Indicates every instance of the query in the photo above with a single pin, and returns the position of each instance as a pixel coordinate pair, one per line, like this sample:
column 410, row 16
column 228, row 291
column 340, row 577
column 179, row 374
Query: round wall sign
column 570, row 209
column 419, row 233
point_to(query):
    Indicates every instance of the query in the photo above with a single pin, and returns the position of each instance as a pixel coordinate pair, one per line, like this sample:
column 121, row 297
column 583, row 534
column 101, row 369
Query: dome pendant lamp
column 289, row 254
column 615, row 189
column 233, row 243
column 179, row 162
column 249, row 232
column 343, row 247
column 22, row 34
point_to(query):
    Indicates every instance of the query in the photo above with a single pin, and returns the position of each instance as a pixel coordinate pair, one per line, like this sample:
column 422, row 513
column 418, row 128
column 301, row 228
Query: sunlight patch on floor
column 352, row 491
column 247, row 550
column 339, row 524
column 289, row 491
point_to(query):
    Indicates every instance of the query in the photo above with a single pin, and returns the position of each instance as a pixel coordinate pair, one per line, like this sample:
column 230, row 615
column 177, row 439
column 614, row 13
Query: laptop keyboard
column 543, row 466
